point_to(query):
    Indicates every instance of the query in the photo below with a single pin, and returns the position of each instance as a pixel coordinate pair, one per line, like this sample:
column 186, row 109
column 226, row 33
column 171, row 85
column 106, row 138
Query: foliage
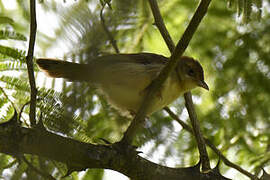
column 244, row 8
column 234, row 115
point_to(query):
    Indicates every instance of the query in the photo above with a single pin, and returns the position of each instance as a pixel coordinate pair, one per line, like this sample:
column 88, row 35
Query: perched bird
column 124, row 78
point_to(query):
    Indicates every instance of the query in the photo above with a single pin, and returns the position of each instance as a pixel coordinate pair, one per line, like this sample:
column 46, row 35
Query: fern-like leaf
column 3, row 101
column 12, row 52
column 15, row 83
column 55, row 115
column 13, row 66
column 6, row 20
column 7, row 34
column 245, row 8
column 6, row 112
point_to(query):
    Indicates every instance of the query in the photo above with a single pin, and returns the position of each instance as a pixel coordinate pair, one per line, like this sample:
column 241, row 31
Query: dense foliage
column 232, row 43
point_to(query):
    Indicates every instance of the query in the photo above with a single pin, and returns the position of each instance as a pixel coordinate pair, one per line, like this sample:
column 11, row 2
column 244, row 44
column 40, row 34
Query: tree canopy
column 232, row 44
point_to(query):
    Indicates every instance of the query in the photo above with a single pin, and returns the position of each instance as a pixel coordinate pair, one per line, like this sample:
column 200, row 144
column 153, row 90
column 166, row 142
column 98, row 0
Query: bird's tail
column 63, row 69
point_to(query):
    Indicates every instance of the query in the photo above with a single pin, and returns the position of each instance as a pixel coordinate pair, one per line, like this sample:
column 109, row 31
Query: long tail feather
column 63, row 69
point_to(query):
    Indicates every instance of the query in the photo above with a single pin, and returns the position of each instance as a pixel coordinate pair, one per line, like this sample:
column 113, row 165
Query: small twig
column 40, row 172
column 175, row 117
column 161, row 26
column 112, row 40
column 21, row 111
column 139, row 37
column 212, row 146
column 29, row 62
column 6, row 96
column 10, row 164
column 179, row 50
column 197, row 132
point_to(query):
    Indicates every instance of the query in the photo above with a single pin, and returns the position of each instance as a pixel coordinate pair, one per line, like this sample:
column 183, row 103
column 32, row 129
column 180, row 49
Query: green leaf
column 7, row 34
column 13, row 53
column 15, row 83
column 6, row 20
column 231, row 3
column 240, row 7
column 13, row 66
column 7, row 113
column 244, row 7
column 247, row 10
column 3, row 100
column 93, row 174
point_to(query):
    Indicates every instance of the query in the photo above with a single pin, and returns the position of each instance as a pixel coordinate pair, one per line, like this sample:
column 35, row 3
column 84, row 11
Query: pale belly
column 129, row 99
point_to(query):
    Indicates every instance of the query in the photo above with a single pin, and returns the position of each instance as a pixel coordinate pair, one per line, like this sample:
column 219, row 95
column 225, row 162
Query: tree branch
column 112, row 40
column 7, row 97
column 22, row 109
column 80, row 156
column 29, row 62
column 161, row 25
column 156, row 83
column 179, row 50
column 197, row 132
column 212, row 146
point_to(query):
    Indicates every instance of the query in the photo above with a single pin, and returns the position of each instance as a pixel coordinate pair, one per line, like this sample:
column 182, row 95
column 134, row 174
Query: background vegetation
column 232, row 44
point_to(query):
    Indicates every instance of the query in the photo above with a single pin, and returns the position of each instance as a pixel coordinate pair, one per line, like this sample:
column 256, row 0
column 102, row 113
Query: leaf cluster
column 235, row 56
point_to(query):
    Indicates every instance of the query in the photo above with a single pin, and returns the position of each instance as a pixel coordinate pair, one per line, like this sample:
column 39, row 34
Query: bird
column 124, row 78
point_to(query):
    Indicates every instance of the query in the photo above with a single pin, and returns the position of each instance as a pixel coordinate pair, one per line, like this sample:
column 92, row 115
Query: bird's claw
column 124, row 147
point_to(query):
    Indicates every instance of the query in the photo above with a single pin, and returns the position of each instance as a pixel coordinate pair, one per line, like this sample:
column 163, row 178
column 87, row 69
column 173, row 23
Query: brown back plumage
column 63, row 69
column 82, row 72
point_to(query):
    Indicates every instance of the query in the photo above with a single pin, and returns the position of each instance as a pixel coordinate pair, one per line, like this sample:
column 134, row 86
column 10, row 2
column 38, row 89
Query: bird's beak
column 203, row 85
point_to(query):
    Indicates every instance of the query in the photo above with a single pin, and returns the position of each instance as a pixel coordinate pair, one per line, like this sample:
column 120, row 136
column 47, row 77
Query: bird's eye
column 191, row 72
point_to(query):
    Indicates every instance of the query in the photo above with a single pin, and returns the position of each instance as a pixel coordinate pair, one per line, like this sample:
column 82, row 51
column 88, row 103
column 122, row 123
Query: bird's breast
column 129, row 98
column 169, row 92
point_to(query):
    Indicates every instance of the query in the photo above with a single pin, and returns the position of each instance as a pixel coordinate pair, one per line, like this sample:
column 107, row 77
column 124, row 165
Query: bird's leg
column 121, row 146
column 124, row 145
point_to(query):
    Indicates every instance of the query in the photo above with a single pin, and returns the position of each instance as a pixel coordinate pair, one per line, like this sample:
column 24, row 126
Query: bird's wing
column 147, row 58
column 130, row 69
column 138, row 58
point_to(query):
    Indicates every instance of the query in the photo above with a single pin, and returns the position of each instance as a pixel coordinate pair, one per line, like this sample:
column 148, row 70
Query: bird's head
column 191, row 73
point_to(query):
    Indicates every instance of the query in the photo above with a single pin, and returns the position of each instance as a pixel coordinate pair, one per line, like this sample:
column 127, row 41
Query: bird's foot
column 125, row 147
column 121, row 146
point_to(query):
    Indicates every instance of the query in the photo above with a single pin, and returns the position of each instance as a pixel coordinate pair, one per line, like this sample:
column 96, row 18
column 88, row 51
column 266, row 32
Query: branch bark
column 197, row 132
column 29, row 62
column 179, row 50
column 80, row 156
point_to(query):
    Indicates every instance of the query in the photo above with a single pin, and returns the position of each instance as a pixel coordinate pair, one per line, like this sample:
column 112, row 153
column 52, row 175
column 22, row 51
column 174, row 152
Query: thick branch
column 179, row 50
column 79, row 156
column 29, row 62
